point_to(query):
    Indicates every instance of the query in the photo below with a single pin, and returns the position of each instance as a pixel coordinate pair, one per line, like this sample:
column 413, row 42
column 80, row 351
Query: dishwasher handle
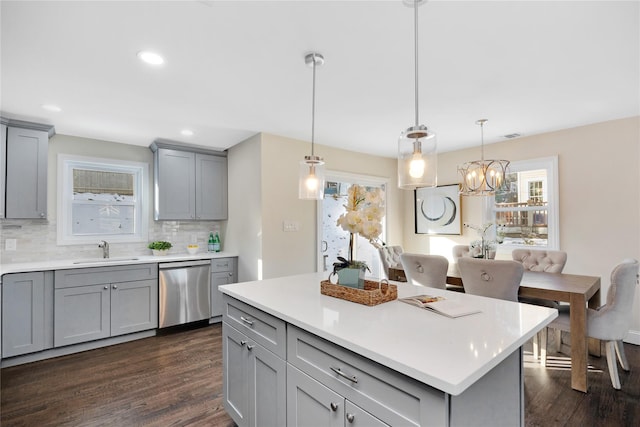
column 182, row 264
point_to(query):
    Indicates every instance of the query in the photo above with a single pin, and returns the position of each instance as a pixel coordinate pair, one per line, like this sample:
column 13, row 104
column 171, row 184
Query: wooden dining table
column 580, row 292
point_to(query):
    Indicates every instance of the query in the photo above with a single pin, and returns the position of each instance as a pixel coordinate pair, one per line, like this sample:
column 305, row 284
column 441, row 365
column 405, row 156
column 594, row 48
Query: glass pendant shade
column 417, row 160
column 311, row 178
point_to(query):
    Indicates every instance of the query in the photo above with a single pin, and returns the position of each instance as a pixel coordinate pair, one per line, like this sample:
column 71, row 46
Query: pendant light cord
column 415, row 25
column 313, row 105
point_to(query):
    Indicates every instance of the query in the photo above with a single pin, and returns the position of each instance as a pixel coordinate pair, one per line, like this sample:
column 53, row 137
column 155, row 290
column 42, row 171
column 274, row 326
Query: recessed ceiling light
column 187, row 132
column 150, row 57
column 51, row 107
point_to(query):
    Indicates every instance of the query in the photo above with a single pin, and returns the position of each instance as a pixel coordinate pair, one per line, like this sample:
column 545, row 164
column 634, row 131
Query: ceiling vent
column 512, row 135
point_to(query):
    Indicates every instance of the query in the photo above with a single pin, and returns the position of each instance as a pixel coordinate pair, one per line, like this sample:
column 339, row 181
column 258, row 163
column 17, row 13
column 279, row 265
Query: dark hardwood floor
column 175, row 379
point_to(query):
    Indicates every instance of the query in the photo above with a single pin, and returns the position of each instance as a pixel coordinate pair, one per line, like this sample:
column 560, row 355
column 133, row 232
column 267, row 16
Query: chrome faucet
column 105, row 248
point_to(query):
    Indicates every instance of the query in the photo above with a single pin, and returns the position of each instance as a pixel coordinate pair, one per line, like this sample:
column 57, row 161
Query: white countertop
column 445, row 353
column 44, row 265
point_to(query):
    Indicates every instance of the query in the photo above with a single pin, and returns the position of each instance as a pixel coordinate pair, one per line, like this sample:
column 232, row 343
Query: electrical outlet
column 11, row 244
column 290, row 225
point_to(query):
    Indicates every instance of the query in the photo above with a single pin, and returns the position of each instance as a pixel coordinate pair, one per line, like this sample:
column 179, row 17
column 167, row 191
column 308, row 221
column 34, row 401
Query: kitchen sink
column 102, row 260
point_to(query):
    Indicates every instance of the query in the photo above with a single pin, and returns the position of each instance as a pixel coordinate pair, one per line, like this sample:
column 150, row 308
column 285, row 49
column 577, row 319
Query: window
column 526, row 212
column 101, row 199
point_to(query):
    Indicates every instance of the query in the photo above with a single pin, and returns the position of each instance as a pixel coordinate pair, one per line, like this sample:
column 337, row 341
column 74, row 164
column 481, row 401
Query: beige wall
column 599, row 189
column 285, row 253
column 244, row 227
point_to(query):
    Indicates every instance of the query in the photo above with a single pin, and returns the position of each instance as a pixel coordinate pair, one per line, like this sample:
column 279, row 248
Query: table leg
column 578, row 321
column 594, row 344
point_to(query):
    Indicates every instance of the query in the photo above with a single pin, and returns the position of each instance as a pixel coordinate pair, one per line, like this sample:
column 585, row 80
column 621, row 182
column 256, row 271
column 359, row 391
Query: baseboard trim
column 75, row 348
column 633, row 338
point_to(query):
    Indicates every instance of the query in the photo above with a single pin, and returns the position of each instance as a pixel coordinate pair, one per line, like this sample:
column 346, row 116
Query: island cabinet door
column 358, row 417
column 267, row 387
column 134, row 306
column 311, row 404
column 81, row 314
column 235, row 375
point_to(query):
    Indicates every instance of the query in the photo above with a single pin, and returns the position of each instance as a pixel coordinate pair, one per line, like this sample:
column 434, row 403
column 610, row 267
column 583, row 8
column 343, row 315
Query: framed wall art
column 437, row 210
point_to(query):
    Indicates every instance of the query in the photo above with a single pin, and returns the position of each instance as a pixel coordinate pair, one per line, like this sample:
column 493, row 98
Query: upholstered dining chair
column 458, row 251
column 540, row 260
column 610, row 322
column 491, row 278
column 390, row 258
column 548, row 262
column 425, row 270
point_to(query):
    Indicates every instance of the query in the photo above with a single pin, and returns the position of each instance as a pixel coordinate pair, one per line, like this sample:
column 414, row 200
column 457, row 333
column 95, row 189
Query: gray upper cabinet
column 25, row 162
column 190, row 184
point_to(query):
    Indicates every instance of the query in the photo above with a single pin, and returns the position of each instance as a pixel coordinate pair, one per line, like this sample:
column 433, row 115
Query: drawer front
column 98, row 275
column 388, row 395
column 266, row 330
column 222, row 264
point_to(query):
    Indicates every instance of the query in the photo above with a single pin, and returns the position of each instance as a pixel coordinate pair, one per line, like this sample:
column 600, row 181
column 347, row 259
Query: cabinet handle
column 42, row 214
column 351, row 417
column 343, row 375
column 247, row 321
column 243, row 342
column 230, row 274
column 334, row 406
column 106, row 287
column 250, row 347
column 115, row 286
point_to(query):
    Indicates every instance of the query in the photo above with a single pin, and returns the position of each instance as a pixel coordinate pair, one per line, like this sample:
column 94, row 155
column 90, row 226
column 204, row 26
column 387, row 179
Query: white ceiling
column 237, row 68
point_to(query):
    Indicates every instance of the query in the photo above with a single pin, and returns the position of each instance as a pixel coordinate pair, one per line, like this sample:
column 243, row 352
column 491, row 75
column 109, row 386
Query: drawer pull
column 343, row 375
column 351, row 417
column 334, row 406
column 247, row 321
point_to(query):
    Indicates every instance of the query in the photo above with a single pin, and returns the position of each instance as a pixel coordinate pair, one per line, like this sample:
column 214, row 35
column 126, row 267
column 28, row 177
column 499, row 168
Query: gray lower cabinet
column 102, row 302
column 328, row 385
column 310, row 403
column 27, row 313
column 255, row 383
column 26, row 173
column 189, row 185
column 3, row 165
column 223, row 272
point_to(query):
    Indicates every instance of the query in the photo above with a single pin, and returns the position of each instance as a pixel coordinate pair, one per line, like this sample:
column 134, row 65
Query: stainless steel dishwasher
column 184, row 293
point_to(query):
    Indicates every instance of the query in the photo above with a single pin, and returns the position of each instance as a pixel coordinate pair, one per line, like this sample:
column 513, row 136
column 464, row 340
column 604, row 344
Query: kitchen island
column 293, row 356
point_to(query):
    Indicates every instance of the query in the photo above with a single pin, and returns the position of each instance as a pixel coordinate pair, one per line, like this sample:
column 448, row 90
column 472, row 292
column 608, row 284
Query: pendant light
column 311, row 178
column 417, row 154
column 482, row 177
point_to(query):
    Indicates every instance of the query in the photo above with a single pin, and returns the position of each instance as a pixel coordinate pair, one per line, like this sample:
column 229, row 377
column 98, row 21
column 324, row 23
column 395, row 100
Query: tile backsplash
column 36, row 240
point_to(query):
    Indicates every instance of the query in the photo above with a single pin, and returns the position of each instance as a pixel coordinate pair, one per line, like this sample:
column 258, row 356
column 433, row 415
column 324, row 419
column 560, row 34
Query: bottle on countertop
column 216, row 242
column 211, row 243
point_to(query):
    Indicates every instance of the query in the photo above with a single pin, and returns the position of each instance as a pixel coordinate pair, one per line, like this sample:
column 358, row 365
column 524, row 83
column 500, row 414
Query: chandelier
column 417, row 155
column 482, row 177
column 311, row 177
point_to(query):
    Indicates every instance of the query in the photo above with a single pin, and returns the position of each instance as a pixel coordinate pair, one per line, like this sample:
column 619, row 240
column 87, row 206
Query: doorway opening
column 334, row 241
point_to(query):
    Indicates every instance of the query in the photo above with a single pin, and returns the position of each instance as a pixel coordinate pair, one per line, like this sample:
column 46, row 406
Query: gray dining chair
column 425, row 270
column 610, row 322
column 549, row 262
column 390, row 258
column 491, row 278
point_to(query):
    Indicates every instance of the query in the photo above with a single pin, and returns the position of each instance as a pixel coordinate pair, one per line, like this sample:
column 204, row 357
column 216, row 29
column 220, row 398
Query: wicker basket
column 373, row 293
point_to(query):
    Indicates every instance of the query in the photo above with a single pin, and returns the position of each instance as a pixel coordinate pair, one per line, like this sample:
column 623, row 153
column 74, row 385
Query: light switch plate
column 290, row 225
column 10, row 244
